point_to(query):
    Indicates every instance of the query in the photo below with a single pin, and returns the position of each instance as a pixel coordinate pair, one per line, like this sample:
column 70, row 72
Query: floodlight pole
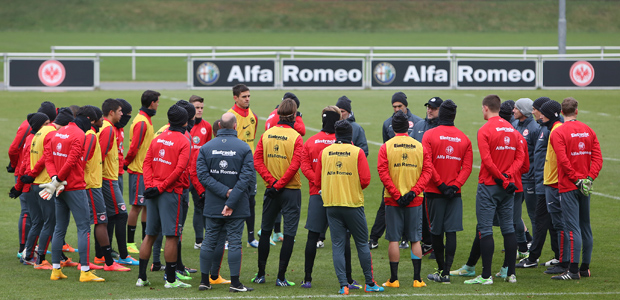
column 562, row 28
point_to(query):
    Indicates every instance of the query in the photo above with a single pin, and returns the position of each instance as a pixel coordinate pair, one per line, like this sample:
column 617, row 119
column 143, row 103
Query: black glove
column 200, row 203
column 125, row 167
column 14, row 193
column 511, row 188
column 10, row 168
column 271, row 192
column 443, row 188
column 452, row 190
column 405, row 199
column 151, row 193
column 298, row 114
column 26, row 179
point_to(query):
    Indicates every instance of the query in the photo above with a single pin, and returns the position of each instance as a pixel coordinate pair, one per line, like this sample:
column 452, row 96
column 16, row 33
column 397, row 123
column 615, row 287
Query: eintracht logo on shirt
column 59, row 147
column 203, row 130
column 506, row 140
column 162, row 152
column 449, row 150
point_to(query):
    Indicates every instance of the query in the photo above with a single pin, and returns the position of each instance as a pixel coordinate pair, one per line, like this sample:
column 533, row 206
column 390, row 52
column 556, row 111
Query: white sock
column 85, row 268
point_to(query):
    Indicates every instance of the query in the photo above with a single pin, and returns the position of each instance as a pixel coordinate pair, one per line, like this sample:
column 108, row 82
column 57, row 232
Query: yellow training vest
column 110, row 162
column 93, row 169
column 246, row 127
column 36, row 152
column 340, row 180
column 405, row 156
column 138, row 161
column 278, row 146
column 551, row 161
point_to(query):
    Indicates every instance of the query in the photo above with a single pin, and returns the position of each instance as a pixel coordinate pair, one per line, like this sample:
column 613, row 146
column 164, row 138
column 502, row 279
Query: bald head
column 229, row 121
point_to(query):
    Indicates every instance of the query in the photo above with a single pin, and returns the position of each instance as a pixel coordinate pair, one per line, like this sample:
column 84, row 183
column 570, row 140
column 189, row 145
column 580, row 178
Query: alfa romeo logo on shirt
column 59, row 147
column 276, row 148
column 582, row 145
column 449, row 150
column 196, row 140
column 506, row 140
column 338, row 164
column 162, row 152
column 223, row 164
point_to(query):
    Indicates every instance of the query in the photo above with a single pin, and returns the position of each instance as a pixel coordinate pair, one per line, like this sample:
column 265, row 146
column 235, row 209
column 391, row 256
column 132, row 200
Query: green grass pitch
column 598, row 108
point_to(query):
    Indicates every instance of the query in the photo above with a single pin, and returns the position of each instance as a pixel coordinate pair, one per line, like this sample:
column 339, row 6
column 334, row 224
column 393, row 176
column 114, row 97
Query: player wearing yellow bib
column 247, row 122
column 342, row 173
column 140, row 137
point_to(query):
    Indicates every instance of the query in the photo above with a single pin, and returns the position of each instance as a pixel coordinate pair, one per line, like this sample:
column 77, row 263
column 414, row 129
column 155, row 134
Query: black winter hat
column 189, row 108
column 400, row 122
column 551, row 109
column 292, row 96
column 447, row 111
column 330, row 118
column 400, row 97
column 434, row 102
column 65, row 115
column 344, row 131
column 49, row 109
column 36, row 121
column 538, row 103
column 177, row 116
column 345, row 103
column 126, row 106
column 98, row 112
column 505, row 111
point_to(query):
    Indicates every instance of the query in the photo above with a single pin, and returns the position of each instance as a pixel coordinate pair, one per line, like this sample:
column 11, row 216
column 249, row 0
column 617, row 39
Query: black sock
column 131, row 233
column 584, row 267
column 417, row 265
column 438, row 249
column 21, row 247
column 263, row 252
column 63, row 256
column 171, row 268
column 347, row 258
column 276, row 227
column 393, row 271
column 510, row 244
column 474, row 255
column 310, row 252
column 204, row 278
column 450, row 252
column 143, row 230
column 180, row 265
column 564, row 264
column 120, row 221
column 144, row 263
column 522, row 247
column 110, row 226
column 574, row 268
column 199, row 240
column 249, row 221
column 214, row 276
column 98, row 250
column 234, row 281
column 487, row 247
column 107, row 253
column 285, row 255
column 40, row 259
column 528, row 236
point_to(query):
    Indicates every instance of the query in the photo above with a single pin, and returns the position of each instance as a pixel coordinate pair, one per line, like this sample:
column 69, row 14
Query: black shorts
column 288, row 201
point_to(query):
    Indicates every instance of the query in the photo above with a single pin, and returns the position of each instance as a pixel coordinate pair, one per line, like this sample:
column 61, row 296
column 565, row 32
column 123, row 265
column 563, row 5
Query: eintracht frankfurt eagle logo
column 52, row 73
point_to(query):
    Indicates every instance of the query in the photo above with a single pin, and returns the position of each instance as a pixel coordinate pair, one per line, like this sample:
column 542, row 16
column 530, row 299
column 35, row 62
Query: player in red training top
column 579, row 163
column 273, row 118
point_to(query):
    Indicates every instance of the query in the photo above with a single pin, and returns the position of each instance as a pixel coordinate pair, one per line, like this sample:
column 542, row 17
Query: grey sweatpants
column 576, row 211
column 76, row 203
column 36, row 219
column 340, row 220
column 492, row 199
column 48, row 219
column 215, row 229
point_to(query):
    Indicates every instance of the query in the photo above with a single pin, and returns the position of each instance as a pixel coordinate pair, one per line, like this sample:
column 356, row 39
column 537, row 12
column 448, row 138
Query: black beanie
column 505, row 111
column 292, row 96
column 65, row 115
column 30, row 116
column 49, row 109
column 538, row 103
column 177, row 116
column 189, row 108
column 98, row 112
column 344, row 103
column 329, row 119
column 344, row 131
column 447, row 113
column 36, row 121
column 400, row 97
column 400, row 123
column 551, row 109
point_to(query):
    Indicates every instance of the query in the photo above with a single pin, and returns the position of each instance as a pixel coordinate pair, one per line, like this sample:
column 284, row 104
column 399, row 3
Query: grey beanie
column 524, row 105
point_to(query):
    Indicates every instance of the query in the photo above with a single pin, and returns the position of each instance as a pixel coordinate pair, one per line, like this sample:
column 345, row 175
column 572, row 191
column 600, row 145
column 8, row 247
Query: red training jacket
column 449, row 150
column 15, row 150
column 120, row 137
column 310, row 157
column 166, row 161
column 64, row 156
column 273, row 119
column 24, row 165
column 498, row 143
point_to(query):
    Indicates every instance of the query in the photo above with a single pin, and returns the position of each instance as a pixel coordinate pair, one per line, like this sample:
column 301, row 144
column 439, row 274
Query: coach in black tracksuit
column 225, row 167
